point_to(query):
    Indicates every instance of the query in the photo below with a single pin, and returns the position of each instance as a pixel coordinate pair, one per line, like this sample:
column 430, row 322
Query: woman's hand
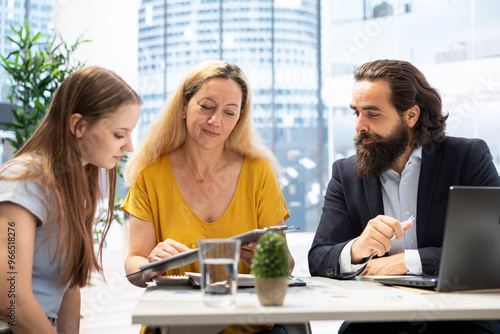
column 163, row 250
column 247, row 253
column 144, row 249
column 166, row 249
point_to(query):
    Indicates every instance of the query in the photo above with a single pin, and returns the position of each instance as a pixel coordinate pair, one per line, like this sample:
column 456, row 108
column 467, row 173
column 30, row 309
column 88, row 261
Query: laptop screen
column 470, row 258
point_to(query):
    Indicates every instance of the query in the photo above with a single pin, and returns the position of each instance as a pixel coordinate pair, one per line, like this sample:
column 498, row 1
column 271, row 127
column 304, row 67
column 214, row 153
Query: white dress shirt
column 399, row 195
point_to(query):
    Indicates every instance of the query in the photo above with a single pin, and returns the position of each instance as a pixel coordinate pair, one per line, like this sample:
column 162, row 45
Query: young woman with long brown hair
column 49, row 198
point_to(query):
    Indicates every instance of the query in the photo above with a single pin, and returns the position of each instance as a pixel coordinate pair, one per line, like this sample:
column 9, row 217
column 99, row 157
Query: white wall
column 111, row 25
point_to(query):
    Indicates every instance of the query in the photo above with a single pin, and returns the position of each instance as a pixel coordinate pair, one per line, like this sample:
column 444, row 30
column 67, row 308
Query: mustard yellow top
column 257, row 203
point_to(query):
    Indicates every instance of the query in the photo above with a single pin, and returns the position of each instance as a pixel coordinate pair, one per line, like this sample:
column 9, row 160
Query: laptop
column 470, row 258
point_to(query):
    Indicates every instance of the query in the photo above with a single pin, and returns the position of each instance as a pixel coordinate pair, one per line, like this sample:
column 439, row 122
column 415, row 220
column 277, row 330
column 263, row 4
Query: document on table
column 313, row 293
column 328, row 294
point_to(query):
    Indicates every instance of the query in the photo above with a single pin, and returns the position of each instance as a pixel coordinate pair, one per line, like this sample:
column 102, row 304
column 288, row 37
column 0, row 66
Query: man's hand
column 388, row 265
column 376, row 237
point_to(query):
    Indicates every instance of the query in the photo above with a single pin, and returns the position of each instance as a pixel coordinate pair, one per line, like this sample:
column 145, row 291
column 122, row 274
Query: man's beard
column 375, row 158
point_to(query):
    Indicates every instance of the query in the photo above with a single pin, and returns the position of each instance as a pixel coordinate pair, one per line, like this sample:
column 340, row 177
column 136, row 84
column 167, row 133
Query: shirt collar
column 417, row 152
column 416, row 156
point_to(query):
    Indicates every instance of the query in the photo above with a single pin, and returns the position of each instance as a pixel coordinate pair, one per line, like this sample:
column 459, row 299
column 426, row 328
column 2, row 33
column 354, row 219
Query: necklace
column 192, row 171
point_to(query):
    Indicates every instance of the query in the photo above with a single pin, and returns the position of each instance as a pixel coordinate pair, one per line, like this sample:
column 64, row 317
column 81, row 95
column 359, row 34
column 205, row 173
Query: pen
column 403, row 225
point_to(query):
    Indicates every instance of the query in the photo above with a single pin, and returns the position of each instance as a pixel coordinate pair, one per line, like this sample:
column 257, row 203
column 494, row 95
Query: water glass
column 219, row 259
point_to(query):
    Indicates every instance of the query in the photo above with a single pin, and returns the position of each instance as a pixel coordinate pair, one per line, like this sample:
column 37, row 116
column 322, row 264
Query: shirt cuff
column 413, row 262
column 345, row 260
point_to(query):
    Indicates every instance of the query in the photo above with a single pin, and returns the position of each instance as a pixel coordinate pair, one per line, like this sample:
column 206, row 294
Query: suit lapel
column 431, row 159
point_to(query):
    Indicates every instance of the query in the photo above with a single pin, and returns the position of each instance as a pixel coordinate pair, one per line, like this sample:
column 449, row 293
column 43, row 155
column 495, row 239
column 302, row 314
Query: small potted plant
column 271, row 269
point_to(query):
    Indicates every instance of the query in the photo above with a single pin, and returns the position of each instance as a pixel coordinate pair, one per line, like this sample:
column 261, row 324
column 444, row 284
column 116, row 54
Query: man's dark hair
column 409, row 87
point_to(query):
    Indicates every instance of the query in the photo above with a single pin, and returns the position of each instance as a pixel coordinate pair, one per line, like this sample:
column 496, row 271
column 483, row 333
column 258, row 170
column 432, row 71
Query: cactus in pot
column 271, row 269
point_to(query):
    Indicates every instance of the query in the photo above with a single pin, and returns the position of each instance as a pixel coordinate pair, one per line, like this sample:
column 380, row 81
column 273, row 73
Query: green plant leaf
column 271, row 257
column 35, row 69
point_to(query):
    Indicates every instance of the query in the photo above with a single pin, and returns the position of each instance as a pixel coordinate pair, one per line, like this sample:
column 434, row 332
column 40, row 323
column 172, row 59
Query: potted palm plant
column 36, row 67
column 271, row 269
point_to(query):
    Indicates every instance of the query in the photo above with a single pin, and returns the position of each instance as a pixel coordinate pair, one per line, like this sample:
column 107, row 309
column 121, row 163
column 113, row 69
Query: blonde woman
column 201, row 173
column 49, row 198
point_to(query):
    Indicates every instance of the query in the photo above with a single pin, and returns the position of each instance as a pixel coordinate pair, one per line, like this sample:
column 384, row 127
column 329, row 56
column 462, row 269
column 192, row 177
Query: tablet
column 191, row 256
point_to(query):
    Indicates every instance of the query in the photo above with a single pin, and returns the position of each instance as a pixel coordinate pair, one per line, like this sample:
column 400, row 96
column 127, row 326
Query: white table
column 181, row 307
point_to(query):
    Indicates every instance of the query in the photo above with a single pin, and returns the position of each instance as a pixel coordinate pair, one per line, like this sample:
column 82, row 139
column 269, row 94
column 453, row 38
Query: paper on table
column 171, row 280
column 318, row 293
column 244, row 280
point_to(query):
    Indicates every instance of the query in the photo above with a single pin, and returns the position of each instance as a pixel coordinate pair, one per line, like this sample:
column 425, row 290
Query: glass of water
column 219, row 259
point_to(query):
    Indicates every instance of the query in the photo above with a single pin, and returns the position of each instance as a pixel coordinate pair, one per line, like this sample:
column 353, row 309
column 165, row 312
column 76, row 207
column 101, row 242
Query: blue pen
column 403, row 225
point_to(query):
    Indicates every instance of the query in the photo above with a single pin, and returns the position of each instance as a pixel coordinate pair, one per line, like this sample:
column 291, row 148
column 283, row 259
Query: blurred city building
column 276, row 43
column 14, row 13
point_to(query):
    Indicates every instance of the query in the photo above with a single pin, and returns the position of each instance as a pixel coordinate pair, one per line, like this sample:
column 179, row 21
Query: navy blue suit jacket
column 350, row 201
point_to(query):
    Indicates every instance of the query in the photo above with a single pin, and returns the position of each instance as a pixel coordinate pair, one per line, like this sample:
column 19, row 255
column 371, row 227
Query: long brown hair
column 74, row 190
column 168, row 132
column 408, row 88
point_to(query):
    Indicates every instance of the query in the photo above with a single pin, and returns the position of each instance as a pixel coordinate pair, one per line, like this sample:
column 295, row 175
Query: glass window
column 454, row 43
column 301, row 105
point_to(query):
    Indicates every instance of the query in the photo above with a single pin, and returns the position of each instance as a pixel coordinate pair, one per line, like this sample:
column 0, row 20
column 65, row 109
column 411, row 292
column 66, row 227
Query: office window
column 267, row 39
column 307, row 121
column 276, row 43
column 461, row 61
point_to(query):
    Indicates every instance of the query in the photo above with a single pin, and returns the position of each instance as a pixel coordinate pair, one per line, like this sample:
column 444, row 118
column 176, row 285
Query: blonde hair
column 168, row 132
column 94, row 93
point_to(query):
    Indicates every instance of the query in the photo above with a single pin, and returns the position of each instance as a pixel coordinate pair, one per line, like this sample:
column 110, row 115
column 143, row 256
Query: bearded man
column 403, row 167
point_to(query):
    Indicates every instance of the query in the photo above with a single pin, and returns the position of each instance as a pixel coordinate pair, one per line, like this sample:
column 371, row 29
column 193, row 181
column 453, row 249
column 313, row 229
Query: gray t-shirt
column 30, row 195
